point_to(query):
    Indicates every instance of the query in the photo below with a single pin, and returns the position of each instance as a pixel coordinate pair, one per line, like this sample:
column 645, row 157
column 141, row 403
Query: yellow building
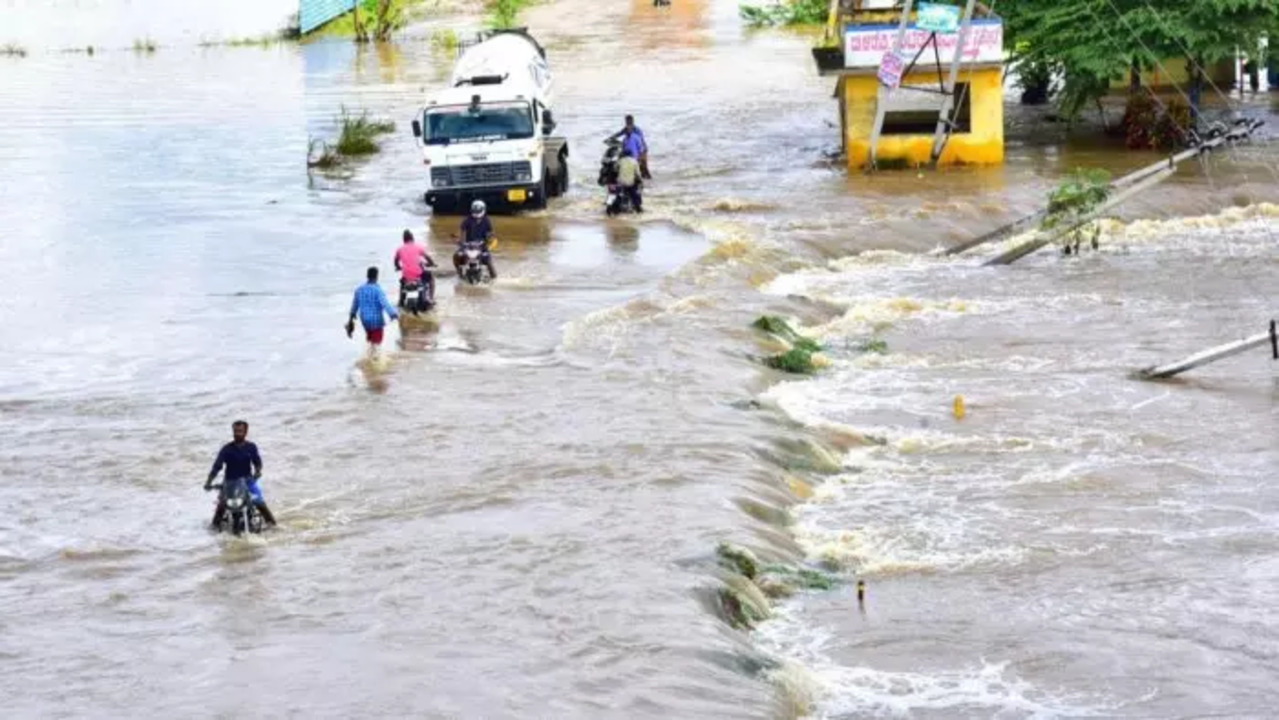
column 1173, row 73
column 914, row 107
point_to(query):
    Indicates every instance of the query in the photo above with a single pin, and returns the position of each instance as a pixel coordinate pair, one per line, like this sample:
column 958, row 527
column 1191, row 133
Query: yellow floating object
column 958, row 408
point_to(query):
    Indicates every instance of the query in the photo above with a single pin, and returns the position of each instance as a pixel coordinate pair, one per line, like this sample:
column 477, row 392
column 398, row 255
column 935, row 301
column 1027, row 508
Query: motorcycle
column 473, row 269
column 239, row 513
column 616, row 201
column 414, row 297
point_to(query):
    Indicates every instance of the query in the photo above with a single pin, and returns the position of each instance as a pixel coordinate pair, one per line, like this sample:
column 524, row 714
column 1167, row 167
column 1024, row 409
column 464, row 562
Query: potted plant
column 829, row 55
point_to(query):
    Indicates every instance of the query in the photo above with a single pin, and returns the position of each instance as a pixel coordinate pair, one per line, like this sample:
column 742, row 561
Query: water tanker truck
column 488, row 135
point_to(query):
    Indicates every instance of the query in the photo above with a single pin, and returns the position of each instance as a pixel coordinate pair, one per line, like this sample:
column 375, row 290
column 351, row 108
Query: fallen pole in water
column 1243, row 129
column 1214, row 354
column 1045, row 237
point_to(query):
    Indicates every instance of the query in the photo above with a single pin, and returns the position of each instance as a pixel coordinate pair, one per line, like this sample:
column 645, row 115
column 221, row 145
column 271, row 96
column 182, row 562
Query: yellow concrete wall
column 983, row 146
column 1222, row 74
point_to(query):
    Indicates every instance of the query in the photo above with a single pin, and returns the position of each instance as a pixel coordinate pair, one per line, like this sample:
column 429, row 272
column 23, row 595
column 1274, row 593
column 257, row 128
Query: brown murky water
column 515, row 517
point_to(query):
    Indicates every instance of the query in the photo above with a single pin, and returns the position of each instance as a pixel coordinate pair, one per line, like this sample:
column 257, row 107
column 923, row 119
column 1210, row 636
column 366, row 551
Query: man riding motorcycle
column 478, row 229
column 241, row 460
column 412, row 260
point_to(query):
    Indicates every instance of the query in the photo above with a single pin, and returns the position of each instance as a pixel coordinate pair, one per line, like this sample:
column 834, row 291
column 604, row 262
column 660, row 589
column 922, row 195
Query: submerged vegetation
column 503, row 14
column 355, row 138
column 750, row 586
column 802, row 355
column 784, row 12
column 357, row 133
column 12, row 50
column 445, row 40
column 326, row 159
column 373, row 20
column 1080, row 194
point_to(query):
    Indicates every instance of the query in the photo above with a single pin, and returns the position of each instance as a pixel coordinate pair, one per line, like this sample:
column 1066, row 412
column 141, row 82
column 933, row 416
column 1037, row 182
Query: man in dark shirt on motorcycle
column 241, row 459
column 477, row 228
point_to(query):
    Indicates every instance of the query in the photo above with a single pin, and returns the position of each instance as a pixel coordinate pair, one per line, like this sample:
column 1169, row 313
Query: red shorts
column 374, row 335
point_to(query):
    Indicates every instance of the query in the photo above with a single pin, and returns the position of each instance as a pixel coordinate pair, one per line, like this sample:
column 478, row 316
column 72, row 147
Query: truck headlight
column 523, row 176
column 440, row 182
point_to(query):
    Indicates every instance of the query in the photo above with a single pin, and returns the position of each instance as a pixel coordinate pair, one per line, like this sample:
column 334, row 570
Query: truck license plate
column 516, row 195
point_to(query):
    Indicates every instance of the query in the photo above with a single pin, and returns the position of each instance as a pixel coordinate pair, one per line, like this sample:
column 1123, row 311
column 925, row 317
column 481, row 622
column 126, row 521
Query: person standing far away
column 633, row 140
column 412, row 260
column 241, row 460
column 369, row 303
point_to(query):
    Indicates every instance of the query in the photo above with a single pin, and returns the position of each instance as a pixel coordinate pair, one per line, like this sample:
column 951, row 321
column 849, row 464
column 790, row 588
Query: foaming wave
column 987, row 689
column 608, row 326
column 875, row 314
column 879, row 258
column 981, row 689
column 1198, row 233
column 934, row 545
column 740, row 205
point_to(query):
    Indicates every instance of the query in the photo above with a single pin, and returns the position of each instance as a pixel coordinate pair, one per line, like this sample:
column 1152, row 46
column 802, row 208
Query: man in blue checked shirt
column 369, row 303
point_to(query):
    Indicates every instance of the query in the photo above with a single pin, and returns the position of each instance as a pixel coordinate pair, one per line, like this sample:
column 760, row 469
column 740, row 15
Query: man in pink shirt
column 412, row 260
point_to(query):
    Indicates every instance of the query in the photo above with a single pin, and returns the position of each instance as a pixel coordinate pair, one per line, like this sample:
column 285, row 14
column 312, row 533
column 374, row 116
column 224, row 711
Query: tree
column 1093, row 42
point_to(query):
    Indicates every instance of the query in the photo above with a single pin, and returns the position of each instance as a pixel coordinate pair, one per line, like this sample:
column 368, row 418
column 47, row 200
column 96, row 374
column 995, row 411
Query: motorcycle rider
column 412, row 260
column 633, row 138
column 241, row 460
column 476, row 228
column 628, row 179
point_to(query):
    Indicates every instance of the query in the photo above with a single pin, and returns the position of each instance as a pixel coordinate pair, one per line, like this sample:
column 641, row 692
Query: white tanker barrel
column 513, row 56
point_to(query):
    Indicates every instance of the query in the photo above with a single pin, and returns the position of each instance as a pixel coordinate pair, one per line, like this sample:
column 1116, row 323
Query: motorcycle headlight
column 235, row 503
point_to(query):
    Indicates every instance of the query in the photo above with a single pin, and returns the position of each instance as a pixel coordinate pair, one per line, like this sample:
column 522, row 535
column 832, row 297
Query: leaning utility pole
column 884, row 94
column 1214, row 354
column 1128, row 185
column 944, row 124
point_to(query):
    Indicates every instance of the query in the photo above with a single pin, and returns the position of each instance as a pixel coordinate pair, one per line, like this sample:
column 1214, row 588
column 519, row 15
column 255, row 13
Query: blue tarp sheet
column 314, row 13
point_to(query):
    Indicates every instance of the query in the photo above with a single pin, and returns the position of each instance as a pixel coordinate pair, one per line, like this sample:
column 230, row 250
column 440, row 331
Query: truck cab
column 490, row 135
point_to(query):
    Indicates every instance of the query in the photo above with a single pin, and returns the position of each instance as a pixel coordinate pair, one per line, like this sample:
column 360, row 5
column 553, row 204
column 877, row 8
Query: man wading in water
column 369, row 303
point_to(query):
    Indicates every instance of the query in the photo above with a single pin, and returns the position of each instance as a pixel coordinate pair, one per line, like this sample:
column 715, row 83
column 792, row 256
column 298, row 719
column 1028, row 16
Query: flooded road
column 517, row 516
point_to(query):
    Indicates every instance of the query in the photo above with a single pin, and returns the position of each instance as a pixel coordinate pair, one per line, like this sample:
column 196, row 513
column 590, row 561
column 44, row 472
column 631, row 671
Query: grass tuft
column 326, row 159
column 144, row 45
column 357, row 134
column 445, row 40
column 12, row 50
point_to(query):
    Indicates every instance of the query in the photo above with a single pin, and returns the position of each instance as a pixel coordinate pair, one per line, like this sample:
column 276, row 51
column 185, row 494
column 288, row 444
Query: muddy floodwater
column 516, row 514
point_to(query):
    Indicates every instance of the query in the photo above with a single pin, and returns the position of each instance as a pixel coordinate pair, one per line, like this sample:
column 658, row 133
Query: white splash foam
column 980, row 689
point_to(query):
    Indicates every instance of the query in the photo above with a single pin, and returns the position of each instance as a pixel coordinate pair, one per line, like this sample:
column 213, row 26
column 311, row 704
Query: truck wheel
column 561, row 181
column 542, row 186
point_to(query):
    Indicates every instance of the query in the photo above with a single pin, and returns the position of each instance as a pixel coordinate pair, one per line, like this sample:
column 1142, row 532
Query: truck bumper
column 511, row 196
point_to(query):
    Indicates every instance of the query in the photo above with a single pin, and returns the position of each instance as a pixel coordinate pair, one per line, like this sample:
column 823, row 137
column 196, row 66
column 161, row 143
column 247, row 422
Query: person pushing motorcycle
column 476, row 228
column 241, row 460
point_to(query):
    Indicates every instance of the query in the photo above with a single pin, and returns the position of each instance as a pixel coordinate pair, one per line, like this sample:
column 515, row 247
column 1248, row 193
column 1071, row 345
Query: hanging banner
column 891, row 68
column 937, row 18
column 865, row 45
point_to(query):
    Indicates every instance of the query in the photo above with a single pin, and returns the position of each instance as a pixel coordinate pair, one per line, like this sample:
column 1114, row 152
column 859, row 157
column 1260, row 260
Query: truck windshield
column 490, row 123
